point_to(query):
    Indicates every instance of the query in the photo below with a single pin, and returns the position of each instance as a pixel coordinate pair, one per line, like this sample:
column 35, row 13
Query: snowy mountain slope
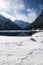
column 7, row 24
column 21, row 50
column 21, row 23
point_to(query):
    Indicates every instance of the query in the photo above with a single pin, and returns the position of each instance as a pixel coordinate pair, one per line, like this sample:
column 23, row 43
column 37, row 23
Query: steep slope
column 21, row 23
column 38, row 23
column 7, row 24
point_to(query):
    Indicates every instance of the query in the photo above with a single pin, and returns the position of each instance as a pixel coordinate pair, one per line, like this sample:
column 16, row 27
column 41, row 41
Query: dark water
column 18, row 32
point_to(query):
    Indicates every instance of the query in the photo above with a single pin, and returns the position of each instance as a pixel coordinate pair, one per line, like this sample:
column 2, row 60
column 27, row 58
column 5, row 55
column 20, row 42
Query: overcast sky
column 26, row 10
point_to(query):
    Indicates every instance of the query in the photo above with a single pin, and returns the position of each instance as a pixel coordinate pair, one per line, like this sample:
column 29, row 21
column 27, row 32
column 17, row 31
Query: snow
column 22, row 50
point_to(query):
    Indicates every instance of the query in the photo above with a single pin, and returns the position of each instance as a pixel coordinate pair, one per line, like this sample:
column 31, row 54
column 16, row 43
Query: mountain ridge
column 37, row 24
column 7, row 24
column 21, row 23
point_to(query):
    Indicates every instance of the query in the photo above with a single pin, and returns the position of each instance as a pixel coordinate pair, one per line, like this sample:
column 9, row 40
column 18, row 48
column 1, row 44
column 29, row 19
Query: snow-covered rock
column 38, row 37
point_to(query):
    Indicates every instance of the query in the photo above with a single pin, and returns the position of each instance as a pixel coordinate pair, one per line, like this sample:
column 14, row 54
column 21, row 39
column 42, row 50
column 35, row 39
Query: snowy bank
column 22, row 50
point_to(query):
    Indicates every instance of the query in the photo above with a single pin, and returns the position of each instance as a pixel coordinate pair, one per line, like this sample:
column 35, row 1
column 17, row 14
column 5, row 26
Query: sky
column 25, row 10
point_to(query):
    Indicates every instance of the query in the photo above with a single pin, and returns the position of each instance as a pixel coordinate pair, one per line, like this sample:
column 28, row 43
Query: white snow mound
column 22, row 50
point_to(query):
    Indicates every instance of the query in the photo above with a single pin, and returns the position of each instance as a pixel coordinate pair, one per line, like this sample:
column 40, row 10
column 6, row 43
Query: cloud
column 7, row 15
column 30, row 17
column 41, row 6
column 15, row 5
column 29, row 10
column 14, row 8
column 3, row 5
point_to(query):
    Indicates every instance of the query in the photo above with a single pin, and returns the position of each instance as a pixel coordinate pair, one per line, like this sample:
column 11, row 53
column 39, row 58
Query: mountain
column 7, row 24
column 21, row 23
column 37, row 24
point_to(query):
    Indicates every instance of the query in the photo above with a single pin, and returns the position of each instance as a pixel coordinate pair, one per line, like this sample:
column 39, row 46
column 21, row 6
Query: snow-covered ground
column 21, row 50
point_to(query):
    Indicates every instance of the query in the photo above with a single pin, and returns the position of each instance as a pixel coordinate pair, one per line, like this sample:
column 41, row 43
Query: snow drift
column 21, row 50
